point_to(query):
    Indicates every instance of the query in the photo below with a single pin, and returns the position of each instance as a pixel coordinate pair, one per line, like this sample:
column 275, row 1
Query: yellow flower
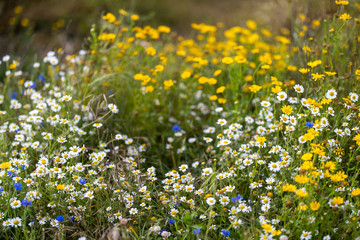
column 261, row 139
column 163, row 29
column 276, row 232
column 217, row 72
column 301, row 179
column 341, row 2
column 254, row 88
column 60, row 187
column 240, row 59
column 227, row 60
column 289, row 188
column 267, row 227
column 357, row 139
column 318, row 151
column 301, row 193
column 251, row 24
column 222, row 100
column 149, row 89
column 168, row 84
column 123, row 12
column 5, row 165
column 317, row 76
column 186, row 74
column 213, row 98
column 287, row 109
column 134, row 17
column 276, row 89
column 345, row 16
column 315, row 205
column 109, row 17
column 337, row 201
column 314, row 63
column 307, row 156
column 151, row 51
column 302, row 207
column 356, row 192
column 220, row 89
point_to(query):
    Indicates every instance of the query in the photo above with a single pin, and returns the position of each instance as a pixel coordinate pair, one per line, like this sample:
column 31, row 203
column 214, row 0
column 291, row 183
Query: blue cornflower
column 41, row 78
column 11, row 174
column 18, row 186
column 60, row 218
column 225, row 232
column 111, row 91
column 13, row 95
column 82, row 181
column 309, row 124
column 176, row 128
column 26, row 202
column 33, row 85
column 237, row 198
column 197, row 231
column 171, row 221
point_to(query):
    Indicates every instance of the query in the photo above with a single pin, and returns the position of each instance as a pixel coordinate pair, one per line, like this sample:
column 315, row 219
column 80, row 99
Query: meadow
column 232, row 133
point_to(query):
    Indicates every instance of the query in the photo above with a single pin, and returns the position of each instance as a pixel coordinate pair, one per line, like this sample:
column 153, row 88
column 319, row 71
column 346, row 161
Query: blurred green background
column 30, row 26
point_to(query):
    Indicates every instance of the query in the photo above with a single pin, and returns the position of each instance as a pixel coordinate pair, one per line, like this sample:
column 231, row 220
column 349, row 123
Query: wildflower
column 336, row 201
column 210, row 201
column 18, row 186
column 176, row 128
column 254, row 88
column 221, row 122
column 345, row 16
column 317, row 76
column 113, row 108
column 16, row 222
column 26, row 202
column 227, row 60
column 5, row 165
column 287, row 109
column 281, row 96
column 315, row 205
column 356, row 192
column 289, row 188
column 305, row 235
column 331, row 94
column 225, row 232
column 59, row 218
column 301, row 193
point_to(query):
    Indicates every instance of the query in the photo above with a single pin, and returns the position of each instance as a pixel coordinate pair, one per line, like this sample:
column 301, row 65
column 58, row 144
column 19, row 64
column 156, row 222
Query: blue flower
column 41, row 78
column 176, row 128
column 82, row 181
column 11, row 174
column 309, row 124
column 18, row 186
column 237, row 198
column 197, row 231
column 13, row 95
column 225, row 232
column 26, row 202
column 111, row 91
column 33, row 85
column 171, row 221
column 60, row 218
